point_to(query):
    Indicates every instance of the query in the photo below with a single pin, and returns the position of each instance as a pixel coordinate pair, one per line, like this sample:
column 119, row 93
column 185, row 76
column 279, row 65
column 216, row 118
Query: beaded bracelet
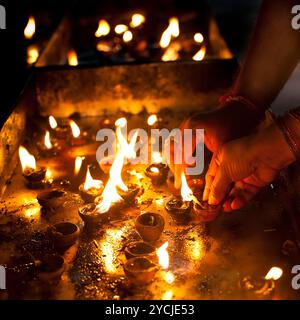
column 289, row 137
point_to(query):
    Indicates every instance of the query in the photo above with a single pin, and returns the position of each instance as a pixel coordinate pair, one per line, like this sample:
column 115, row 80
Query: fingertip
column 238, row 203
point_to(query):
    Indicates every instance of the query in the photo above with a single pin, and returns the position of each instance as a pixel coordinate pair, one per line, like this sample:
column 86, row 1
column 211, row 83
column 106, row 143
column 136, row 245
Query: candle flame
column 163, row 255
column 127, row 36
column 198, row 37
column 32, row 54
column 154, row 169
column 72, row 58
column 186, row 192
column 171, row 31
column 200, row 54
column 152, row 119
column 78, row 164
column 52, row 122
column 90, row 182
column 274, row 273
column 29, row 30
column 47, row 140
column 103, row 29
column 27, row 160
column 120, row 28
column 136, row 20
column 75, row 129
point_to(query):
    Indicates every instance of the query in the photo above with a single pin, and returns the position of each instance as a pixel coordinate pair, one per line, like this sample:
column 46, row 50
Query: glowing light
column 104, row 47
column 200, row 54
column 136, row 20
column 52, row 122
column 168, row 295
column 169, row 277
column 90, row 182
column 127, row 36
column 120, row 28
column 72, row 58
column 163, row 255
column 75, row 129
column 29, row 30
column 47, row 140
column 78, row 164
column 49, row 176
column 274, row 273
column 172, row 52
column 157, row 157
column 172, row 31
column 27, row 160
column 122, row 122
column 154, row 169
column 186, row 192
column 152, row 119
column 136, row 174
column 198, row 37
column 103, row 29
column 32, row 54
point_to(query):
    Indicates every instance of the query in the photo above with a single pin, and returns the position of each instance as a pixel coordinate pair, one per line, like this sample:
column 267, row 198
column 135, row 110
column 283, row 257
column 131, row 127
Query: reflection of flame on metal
column 163, row 255
column 78, row 164
column 32, row 54
column 90, row 182
column 29, row 30
column 274, row 273
column 52, row 122
column 103, row 29
column 200, row 54
column 186, row 192
column 27, row 159
column 168, row 295
column 136, row 20
column 194, row 248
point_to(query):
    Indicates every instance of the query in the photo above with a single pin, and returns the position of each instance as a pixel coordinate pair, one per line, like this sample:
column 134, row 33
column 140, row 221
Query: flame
column 32, row 54
column 154, row 170
column 186, row 192
column 171, row 31
column 120, row 28
column 136, row 20
column 29, row 30
column 198, row 37
column 163, row 255
column 136, row 174
column 49, row 176
column 127, row 36
column 121, row 122
column 27, row 159
column 47, row 141
column 200, row 54
column 127, row 149
column 157, row 157
column 104, row 47
column 90, row 182
column 52, row 122
column 72, row 58
column 75, row 129
column 172, row 52
column 274, row 273
column 78, row 164
column 152, row 119
column 168, row 295
column 169, row 277
column 103, row 29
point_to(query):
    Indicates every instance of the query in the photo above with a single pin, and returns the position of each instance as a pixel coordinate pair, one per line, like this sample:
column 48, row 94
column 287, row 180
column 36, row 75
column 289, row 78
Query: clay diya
column 179, row 210
column 64, row 234
column 140, row 270
column 206, row 211
column 35, row 177
column 157, row 173
column 51, row 268
column 91, row 217
column 150, row 226
column 52, row 200
column 133, row 191
column 140, row 249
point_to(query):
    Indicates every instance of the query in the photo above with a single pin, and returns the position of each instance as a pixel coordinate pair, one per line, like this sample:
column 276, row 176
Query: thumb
column 219, row 187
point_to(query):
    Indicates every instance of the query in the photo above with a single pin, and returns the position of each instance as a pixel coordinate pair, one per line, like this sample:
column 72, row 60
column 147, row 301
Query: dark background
column 234, row 17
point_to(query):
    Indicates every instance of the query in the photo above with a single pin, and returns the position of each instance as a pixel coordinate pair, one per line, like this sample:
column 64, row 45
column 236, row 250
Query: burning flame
column 29, row 30
column 90, row 182
column 168, row 295
column 198, row 37
column 171, row 31
column 127, row 36
column 274, row 273
column 120, row 28
column 78, row 164
column 47, row 141
column 163, row 255
column 104, row 47
column 152, row 119
column 127, row 149
column 200, row 54
column 49, row 176
column 72, row 58
column 186, row 192
column 121, row 122
column 169, row 277
column 154, row 170
column 136, row 20
column 27, row 159
column 52, row 122
column 75, row 129
column 32, row 54
column 156, row 157
column 172, row 52
column 103, row 29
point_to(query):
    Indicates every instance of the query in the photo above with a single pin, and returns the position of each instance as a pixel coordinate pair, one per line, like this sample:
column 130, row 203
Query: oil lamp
column 140, row 270
column 91, row 188
column 77, row 137
column 51, row 268
column 51, row 200
column 130, row 193
column 150, row 226
column 158, row 171
column 179, row 207
column 48, row 148
column 60, row 131
column 64, row 234
column 206, row 211
column 91, row 216
column 140, row 249
column 34, row 175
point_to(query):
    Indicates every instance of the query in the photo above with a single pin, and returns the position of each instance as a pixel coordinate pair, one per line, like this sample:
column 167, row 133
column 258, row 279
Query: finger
column 219, row 187
column 209, row 177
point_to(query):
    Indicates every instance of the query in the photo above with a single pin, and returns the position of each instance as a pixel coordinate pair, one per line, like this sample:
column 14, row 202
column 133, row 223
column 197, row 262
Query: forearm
column 273, row 54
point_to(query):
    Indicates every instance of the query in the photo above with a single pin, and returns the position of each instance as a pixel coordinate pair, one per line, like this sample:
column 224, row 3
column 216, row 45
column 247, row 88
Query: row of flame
column 172, row 31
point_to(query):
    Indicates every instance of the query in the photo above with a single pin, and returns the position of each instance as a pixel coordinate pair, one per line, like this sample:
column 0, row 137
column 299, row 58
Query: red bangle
column 245, row 101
